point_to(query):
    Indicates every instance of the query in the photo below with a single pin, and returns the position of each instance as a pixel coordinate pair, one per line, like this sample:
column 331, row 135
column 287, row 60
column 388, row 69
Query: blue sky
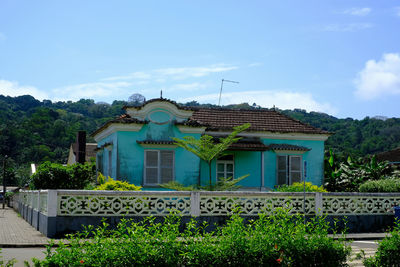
column 340, row 57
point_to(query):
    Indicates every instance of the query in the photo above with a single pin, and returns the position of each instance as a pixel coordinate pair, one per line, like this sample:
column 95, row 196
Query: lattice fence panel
column 359, row 205
column 247, row 205
column 97, row 205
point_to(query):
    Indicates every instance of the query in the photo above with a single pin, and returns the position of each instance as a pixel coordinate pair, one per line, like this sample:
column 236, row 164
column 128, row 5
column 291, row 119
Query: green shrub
column 114, row 185
column 383, row 186
column 299, row 187
column 278, row 240
column 388, row 252
column 56, row 176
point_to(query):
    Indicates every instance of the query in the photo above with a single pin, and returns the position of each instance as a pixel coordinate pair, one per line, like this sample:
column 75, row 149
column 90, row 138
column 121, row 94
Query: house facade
column 275, row 150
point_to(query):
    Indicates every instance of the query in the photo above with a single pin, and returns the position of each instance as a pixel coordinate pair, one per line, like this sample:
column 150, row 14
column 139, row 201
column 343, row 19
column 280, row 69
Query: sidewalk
column 16, row 232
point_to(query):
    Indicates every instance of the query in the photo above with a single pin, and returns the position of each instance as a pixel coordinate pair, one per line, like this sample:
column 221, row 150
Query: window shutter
column 295, row 169
column 167, row 166
column 282, row 170
column 151, row 175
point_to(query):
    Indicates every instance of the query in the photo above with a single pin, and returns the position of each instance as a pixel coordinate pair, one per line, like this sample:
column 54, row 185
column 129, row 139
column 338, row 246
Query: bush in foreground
column 388, row 252
column 299, row 187
column 382, row 186
column 278, row 240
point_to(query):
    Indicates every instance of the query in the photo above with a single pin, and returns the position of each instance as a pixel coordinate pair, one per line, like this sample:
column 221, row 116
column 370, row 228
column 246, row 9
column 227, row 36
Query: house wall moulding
column 142, row 112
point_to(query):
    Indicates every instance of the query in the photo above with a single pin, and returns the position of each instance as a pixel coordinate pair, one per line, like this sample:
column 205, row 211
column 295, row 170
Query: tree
column 205, row 147
column 136, row 99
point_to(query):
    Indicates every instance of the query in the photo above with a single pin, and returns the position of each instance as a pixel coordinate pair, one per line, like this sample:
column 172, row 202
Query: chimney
column 81, row 145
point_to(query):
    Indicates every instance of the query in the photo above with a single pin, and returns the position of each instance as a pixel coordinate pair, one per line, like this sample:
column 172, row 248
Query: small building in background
column 80, row 151
column 393, row 156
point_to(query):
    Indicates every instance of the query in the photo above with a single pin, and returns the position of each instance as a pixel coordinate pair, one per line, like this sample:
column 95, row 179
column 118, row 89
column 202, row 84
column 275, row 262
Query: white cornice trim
column 270, row 135
column 117, row 127
column 179, row 114
column 189, row 129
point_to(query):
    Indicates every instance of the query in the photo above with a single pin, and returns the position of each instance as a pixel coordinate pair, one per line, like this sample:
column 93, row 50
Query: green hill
column 36, row 131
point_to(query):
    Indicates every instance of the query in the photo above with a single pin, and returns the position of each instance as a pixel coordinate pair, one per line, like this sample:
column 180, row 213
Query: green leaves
column 278, row 240
column 205, row 147
column 56, row 176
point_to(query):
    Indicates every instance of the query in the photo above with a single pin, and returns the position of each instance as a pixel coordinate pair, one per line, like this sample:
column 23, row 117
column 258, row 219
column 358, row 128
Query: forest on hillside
column 33, row 131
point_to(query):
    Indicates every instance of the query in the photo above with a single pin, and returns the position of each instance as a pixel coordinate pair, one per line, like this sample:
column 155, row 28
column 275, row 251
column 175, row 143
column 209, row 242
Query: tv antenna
column 220, row 91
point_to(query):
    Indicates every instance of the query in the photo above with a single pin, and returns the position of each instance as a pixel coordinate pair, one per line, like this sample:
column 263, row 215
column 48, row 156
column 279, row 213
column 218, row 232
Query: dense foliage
column 278, row 240
column 381, row 186
column 348, row 175
column 33, row 131
column 388, row 252
column 56, row 176
column 113, row 185
column 357, row 138
column 299, row 187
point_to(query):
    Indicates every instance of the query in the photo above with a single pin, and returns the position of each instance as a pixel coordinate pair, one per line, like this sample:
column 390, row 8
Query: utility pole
column 220, row 91
column 4, row 181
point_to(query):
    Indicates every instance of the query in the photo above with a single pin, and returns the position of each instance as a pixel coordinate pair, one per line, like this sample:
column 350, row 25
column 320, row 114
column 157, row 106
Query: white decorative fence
column 53, row 203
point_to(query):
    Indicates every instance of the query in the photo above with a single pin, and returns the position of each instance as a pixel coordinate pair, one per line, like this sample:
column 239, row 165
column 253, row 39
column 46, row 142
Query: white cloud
column 187, row 72
column 172, row 73
column 281, row 99
column 379, row 78
column 91, row 90
column 352, row 27
column 12, row 88
column 139, row 75
column 357, row 11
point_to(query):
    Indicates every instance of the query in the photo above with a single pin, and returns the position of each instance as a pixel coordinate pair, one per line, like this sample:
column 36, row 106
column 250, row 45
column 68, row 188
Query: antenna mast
column 220, row 91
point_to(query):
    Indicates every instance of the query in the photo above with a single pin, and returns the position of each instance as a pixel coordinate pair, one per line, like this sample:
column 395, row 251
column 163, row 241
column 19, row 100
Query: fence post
column 38, row 201
column 318, row 203
column 195, row 203
column 52, row 203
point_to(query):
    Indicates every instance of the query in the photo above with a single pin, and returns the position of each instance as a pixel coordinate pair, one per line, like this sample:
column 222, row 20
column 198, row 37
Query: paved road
column 367, row 246
column 22, row 254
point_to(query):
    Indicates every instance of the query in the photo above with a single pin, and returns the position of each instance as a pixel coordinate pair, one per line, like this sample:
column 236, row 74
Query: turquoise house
column 275, row 150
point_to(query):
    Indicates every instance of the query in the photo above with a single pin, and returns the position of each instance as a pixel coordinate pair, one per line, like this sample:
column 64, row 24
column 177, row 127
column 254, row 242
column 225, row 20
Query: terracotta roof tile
column 260, row 120
column 217, row 119
column 287, row 147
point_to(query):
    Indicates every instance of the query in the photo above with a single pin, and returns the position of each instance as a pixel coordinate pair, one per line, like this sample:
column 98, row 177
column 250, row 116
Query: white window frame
column 225, row 162
column 158, row 166
column 288, row 168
